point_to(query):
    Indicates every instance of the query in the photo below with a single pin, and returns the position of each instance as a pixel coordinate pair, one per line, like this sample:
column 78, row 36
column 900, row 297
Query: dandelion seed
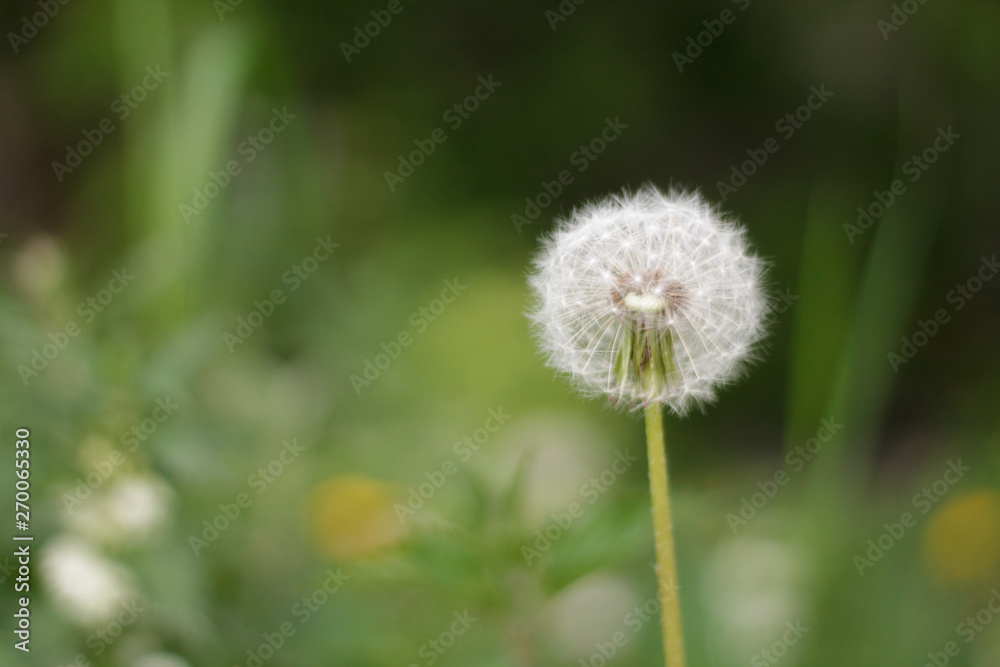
column 636, row 284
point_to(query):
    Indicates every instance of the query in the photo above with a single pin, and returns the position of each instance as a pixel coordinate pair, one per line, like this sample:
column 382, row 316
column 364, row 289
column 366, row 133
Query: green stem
column 663, row 533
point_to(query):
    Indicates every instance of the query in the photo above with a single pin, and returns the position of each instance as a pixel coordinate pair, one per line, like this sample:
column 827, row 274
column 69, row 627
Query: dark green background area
column 845, row 300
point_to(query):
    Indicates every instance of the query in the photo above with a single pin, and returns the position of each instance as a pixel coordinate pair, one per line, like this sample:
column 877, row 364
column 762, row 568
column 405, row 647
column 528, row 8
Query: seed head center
column 650, row 304
column 648, row 297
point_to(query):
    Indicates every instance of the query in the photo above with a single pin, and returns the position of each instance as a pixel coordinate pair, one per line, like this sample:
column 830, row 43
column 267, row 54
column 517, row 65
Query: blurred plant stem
column 177, row 140
column 663, row 533
column 877, row 306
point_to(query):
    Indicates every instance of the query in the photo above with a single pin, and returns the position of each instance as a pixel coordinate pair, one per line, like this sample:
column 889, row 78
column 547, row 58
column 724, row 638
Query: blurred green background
column 203, row 258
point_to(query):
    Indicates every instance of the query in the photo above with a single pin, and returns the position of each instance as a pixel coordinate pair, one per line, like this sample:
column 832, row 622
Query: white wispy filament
column 648, row 297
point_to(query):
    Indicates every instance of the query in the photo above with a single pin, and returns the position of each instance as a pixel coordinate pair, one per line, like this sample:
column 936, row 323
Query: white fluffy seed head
column 632, row 275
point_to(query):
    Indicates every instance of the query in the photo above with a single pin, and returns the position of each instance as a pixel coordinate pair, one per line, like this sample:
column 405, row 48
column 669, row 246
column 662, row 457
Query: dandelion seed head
column 648, row 283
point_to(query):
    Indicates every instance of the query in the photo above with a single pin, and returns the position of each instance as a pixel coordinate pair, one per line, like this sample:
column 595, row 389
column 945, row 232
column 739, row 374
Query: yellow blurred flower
column 962, row 540
column 352, row 517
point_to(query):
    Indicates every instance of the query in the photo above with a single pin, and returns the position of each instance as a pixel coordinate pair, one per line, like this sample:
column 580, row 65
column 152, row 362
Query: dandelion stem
column 663, row 533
